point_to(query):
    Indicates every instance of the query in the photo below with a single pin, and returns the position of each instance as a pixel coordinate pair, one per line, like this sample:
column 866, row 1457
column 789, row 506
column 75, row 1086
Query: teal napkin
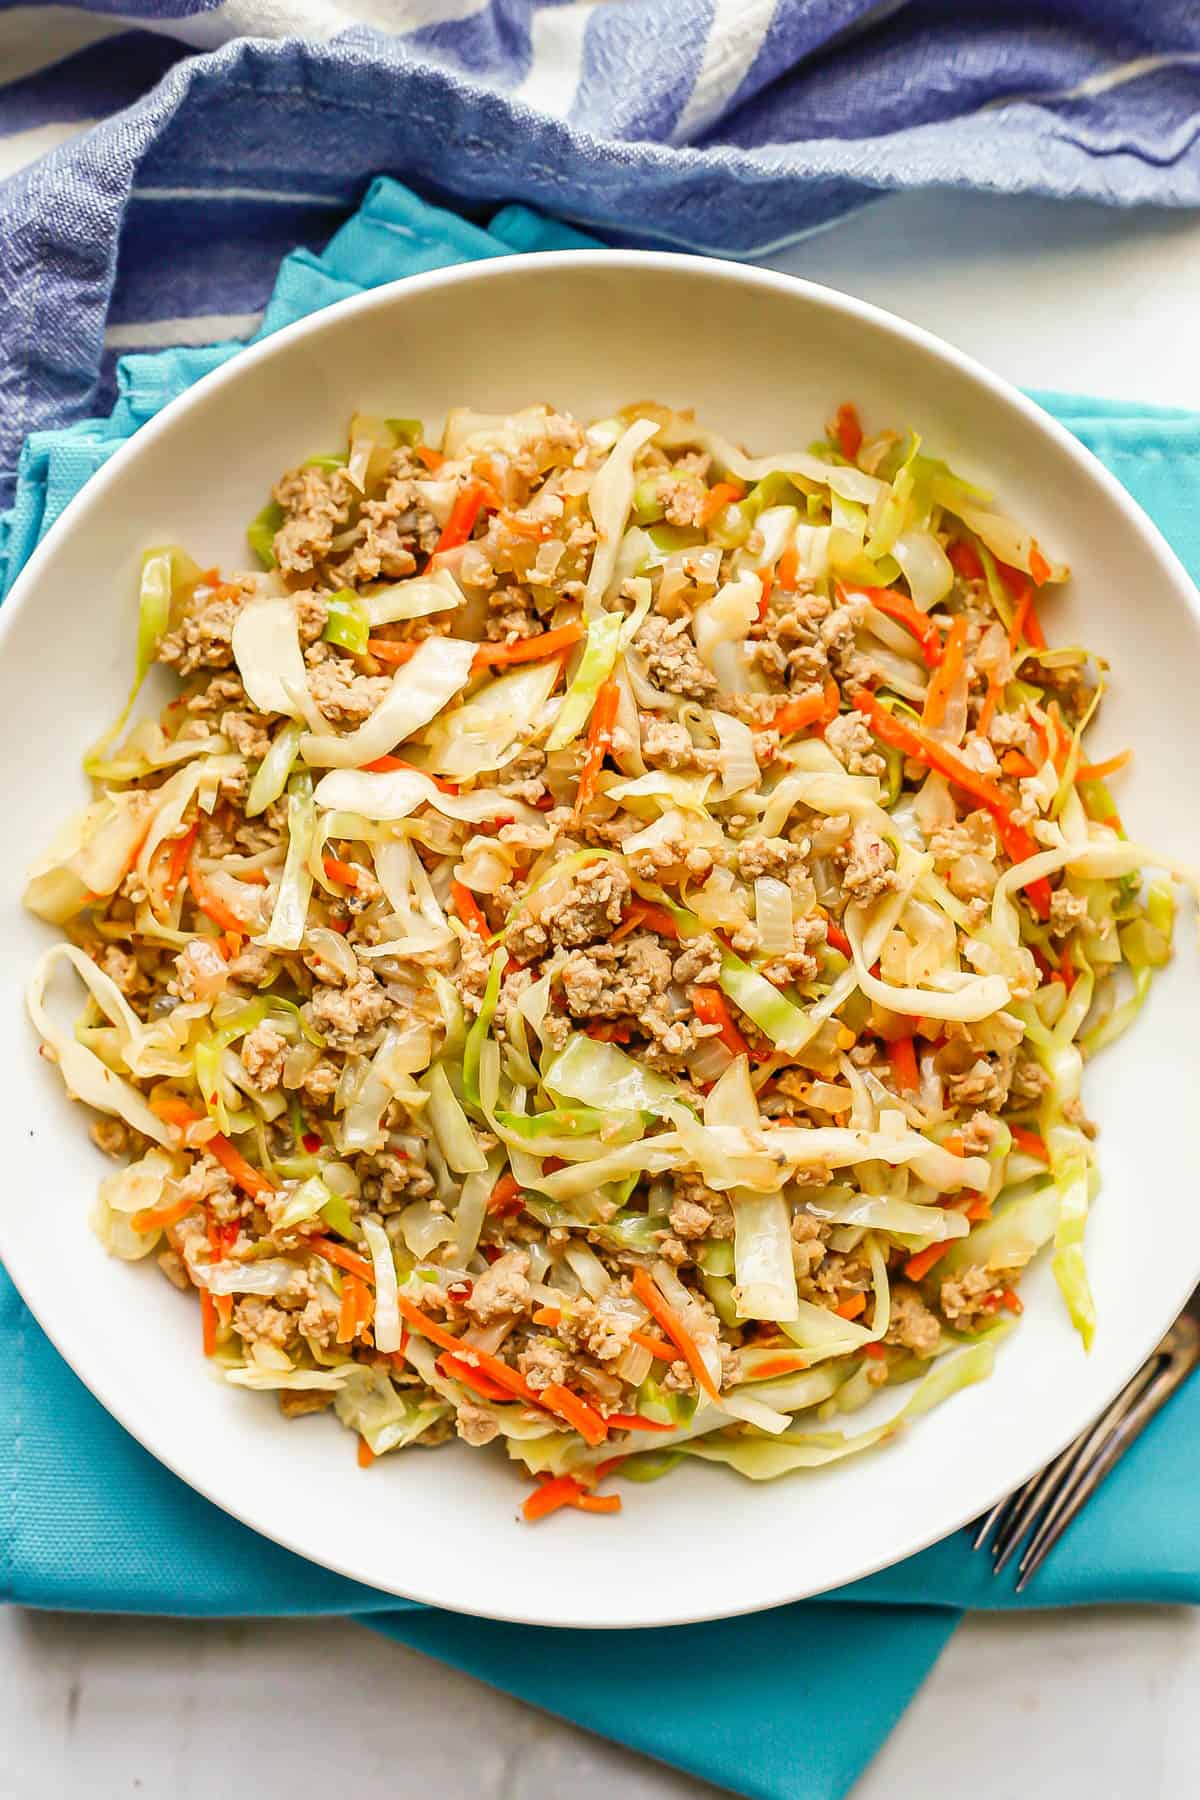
column 785, row 1705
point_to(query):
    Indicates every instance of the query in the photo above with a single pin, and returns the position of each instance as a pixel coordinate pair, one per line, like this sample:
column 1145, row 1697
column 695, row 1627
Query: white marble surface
column 1062, row 1704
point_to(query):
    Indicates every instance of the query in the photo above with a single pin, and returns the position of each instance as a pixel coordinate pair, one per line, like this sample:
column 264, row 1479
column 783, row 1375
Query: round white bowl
column 764, row 358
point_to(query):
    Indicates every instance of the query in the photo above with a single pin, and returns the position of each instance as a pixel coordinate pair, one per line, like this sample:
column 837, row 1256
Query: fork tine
column 1134, row 1411
column 994, row 1517
column 1029, row 1502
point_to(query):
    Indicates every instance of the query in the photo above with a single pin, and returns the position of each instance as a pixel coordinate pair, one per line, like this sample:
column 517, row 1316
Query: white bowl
column 765, row 358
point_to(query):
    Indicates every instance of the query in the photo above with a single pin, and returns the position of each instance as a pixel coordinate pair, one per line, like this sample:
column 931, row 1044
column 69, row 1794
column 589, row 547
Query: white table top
column 1069, row 297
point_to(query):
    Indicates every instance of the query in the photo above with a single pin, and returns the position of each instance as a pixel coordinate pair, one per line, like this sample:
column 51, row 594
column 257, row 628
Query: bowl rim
column 996, row 390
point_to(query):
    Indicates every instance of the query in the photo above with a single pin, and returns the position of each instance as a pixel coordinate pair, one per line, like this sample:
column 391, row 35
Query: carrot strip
column 251, row 1180
column 547, row 1315
column 597, row 1503
column 661, row 1310
column 531, row 649
column 505, row 1197
column 875, row 1350
column 609, row 1031
column 1039, row 568
column 209, row 903
column 851, row 1306
column 1013, row 763
column 837, row 938
column 433, row 459
column 157, row 1218
column 342, row 1258
column 950, row 668
column 467, row 507
column 1026, row 625
column 382, row 764
column 347, row 1323
column 641, row 913
column 499, row 1371
column 797, row 715
column 900, row 607
column 583, row 1418
column 849, row 430
column 979, row 1208
column 181, row 850
column 208, row 1322
column 710, row 1007
column 964, row 560
column 599, row 742
column 366, row 1456
column 458, row 1370
column 1101, row 770
column 385, row 650
column 345, row 873
column 722, row 493
column 1012, row 1301
column 787, row 571
column 778, row 1365
column 1032, row 1142
column 562, row 1490
column 918, row 1266
column 766, row 582
column 655, row 1345
column 902, row 1055
column 991, row 701
column 636, row 1422
column 469, row 910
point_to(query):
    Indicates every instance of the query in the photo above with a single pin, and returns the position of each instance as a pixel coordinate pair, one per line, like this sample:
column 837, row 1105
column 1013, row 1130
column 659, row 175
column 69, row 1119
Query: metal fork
column 1050, row 1500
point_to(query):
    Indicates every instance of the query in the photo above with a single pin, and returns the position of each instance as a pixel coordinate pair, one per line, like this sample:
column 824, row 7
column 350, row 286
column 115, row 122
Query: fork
column 1050, row 1500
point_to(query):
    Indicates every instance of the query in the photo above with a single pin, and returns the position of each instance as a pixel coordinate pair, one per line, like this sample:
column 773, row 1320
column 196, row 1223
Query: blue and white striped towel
column 158, row 157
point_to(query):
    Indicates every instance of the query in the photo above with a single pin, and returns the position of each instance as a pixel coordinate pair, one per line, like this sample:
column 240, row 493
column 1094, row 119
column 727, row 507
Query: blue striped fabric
column 158, row 157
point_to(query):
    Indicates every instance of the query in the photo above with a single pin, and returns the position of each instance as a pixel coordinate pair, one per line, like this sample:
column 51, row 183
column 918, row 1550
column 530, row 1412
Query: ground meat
column 392, row 531
column 312, row 615
column 543, row 1361
column 971, row 1297
column 262, row 1055
column 809, row 1238
column 666, row 745
column 345, row 697
column 512, row 614
column 397, row 1180
column 850, row 739
column 1067, row 910
column 202, row 638
column 521, row 779
column 979, row 1134
column 985, row 1083
column 253, row 966
column 567, row 916
column 257, row 1321
column 672, row 660
column 502, row 1291
column 319, row 1319
column 612, row 981
column 699, row 961
column 316, row 505
column 352, row 1017
column 690, row 1220
column 1029, row 1080
column 126, row 971
column 319, row 1083
column 294, row 1403
column 757, row 856
column 112, row 1136
column 683, row 499
column 870, row 865
column 691, row 1192
column 584, row 1326
column 912, row 1324
column 474, row 1424
column 247, row 733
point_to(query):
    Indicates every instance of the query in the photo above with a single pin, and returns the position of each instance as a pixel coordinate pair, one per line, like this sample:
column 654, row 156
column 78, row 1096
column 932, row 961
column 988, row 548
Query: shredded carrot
column 979, row 1207
column 893, row 730
column 599, row 741
column 366, row 1456
column 1026, row 626
column 918, row 1266
column 787, row 572
column 964, row 560
column 609, row 1031
column 641, row 913
column 954, row 1144
column 1032, row 1142
column 181, row 849
column 1039, row 568
column 797, row 715
column 469, row 910
column 157, row 1218
column 547, row 1315
column 837, row 938
column 578, row 1414
column 537, row 530
column 875, row 1351
column 711, row 1008
column 499, row 1371
column 467, row 507
column 1102, row 770
column 433, row 459
column 458, row 1370
column 173, row 1109
column 251, row 1180
column 209, row 903
column 722, row 493
column 348, row 1260
column 531, row 649
column 636, row 1422
column 902, row 1055
column 949, row 672
column 1012, row 1301
column 851, row 1306
column 1013, row 763
column 766, row 582
column 383, row 764
column 208, row 1322
column 991, row 701
column 778, row 1365
column 560, row 1491
column 506, row 1196
column 661, row 1310
column 597, row 1503
column 347, row 1323
column 655, row 1345
column 900, row 607
column 385, row 650
column 345, row 873
column 849, row 430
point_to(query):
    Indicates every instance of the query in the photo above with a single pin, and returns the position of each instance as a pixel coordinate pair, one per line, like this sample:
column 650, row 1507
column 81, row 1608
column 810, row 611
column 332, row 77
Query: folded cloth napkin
column 785, row 1705
column 717, row 125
